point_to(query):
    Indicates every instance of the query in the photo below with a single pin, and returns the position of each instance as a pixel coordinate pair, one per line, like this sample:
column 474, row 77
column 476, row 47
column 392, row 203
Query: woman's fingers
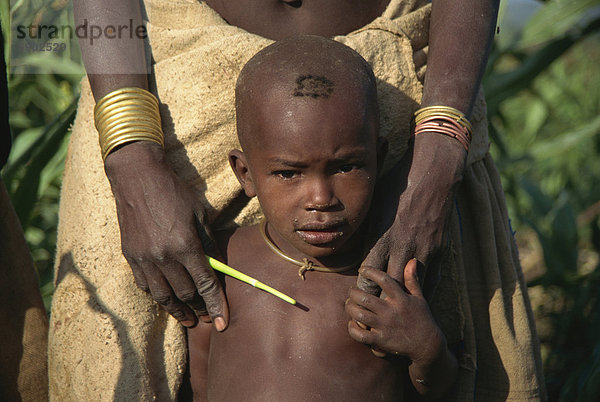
column 163, row 294
column 376, row 259
column 182, row 284
column 397, row 263
column 210, row 289
column 139, row 276
column 387, row 284
column 411, row 279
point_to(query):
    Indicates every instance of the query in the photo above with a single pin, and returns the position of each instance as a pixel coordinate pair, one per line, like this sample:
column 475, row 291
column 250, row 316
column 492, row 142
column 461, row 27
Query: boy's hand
column 399, row 322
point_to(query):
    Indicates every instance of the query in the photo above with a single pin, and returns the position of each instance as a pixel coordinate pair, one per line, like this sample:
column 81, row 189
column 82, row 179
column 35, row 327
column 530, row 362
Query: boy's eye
column 286, row 174
column 347, row 168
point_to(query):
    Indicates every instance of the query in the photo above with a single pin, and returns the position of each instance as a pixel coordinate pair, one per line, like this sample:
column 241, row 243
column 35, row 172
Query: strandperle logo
column 45, row 39
column 87, row 31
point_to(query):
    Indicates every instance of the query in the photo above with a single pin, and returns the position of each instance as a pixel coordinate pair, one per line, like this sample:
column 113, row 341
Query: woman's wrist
column 133, row 157
column 439, row 160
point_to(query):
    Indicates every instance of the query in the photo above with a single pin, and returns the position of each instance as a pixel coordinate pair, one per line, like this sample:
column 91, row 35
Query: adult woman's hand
column 411, row 206
column 158, row 213
column 159, row 217
column 415, row 200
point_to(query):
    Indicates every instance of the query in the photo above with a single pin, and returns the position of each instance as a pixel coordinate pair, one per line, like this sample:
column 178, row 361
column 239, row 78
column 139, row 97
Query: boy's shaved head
column 308, row 123
column 302, row 69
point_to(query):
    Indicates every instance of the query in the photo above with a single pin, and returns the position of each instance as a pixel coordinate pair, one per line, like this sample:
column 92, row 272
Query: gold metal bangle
column 128, row 139
column 128, row 136
column 132, row 128
column 109, row 103
column 447, row 111
column 441, row 123
column 127, row 115
column 143, row 106
column 123, row 94
column 121, row 121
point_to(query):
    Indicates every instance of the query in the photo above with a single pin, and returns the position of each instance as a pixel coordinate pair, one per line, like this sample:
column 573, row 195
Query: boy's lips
column 320, row 233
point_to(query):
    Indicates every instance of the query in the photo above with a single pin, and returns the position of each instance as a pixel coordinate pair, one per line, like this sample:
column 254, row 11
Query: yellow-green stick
column 234, row 273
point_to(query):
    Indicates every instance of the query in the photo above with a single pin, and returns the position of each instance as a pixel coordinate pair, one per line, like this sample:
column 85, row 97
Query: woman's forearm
column 460, row 35
column 114, row 57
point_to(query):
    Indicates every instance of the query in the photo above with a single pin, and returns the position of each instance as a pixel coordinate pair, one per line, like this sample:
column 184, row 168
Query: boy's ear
column 237, row 161
column 382, row 150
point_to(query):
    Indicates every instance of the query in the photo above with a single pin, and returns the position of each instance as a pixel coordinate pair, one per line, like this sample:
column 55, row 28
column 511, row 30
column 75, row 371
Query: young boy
column 308, row 122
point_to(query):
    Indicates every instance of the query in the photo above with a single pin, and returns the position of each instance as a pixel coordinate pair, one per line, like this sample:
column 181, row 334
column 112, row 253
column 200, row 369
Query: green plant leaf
column 559, row 146
column 541, row 203
column 26, row 193
column 566, row 16
column 564, row 234
column 501, row 86
column 44, row 63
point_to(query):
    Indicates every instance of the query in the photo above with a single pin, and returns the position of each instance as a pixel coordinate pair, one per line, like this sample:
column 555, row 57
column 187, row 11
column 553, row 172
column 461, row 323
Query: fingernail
column 205, row 318
column 378, row 352
column 220, row 324
column 188, row 323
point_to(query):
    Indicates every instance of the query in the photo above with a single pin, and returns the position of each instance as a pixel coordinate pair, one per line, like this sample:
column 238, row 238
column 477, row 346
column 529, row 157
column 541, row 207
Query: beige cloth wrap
column 110, row 341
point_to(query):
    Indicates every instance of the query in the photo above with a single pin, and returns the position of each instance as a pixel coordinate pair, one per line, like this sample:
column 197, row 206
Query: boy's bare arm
column 401, row 324
column 157, row 212
column 198, row 349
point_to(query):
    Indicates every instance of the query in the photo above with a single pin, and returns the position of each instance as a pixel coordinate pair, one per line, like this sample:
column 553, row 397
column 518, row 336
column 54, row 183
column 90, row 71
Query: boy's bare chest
column 294, row 352
column 318, row 318
column 320, row 296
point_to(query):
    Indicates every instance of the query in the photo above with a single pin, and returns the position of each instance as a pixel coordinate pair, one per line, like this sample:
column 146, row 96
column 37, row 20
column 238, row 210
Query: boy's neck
column 347, row 258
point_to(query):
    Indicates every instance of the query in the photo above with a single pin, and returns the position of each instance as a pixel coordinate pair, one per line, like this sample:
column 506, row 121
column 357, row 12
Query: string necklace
column 305, row 264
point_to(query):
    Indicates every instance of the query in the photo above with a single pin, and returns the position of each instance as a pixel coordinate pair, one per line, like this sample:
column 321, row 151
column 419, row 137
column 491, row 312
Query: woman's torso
column 277, row 19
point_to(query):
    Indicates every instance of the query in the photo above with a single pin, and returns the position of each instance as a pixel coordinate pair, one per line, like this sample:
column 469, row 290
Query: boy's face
column 313, row 165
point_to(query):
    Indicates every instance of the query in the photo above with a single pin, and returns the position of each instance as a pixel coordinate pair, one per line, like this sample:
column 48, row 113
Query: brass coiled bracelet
column 444, row 120
column 127, row 115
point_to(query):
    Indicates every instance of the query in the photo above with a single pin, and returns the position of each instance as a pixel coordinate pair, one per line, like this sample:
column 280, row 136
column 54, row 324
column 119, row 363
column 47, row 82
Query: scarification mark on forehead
column 313, row 86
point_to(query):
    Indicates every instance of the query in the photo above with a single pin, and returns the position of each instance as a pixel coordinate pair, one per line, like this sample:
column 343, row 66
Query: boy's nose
column 320, row 195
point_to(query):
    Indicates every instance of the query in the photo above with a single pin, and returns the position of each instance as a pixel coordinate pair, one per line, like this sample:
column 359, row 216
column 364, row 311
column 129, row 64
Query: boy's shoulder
column 239, row 241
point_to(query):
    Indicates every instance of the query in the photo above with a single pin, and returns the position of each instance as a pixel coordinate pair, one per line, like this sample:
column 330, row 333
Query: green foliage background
column 543, row 91
column 41, row 109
